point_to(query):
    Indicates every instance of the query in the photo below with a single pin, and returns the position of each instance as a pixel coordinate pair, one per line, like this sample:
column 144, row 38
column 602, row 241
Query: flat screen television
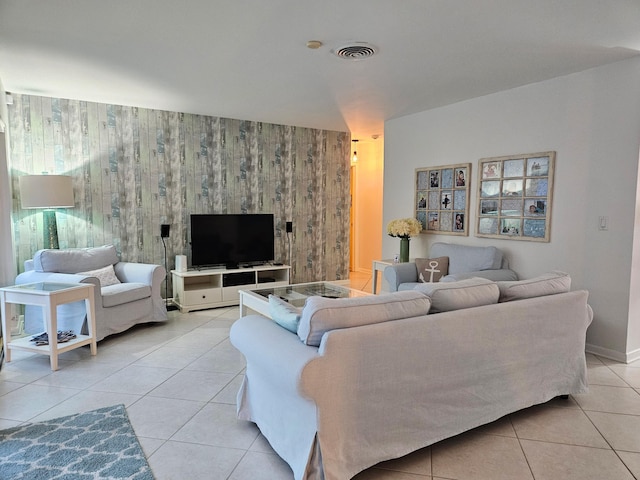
column 231, row 240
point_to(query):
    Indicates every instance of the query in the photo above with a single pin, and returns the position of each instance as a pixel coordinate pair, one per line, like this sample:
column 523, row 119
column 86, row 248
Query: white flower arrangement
column 404, row 227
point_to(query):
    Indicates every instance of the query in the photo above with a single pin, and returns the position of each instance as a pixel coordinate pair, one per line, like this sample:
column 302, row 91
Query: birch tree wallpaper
column 134, row 169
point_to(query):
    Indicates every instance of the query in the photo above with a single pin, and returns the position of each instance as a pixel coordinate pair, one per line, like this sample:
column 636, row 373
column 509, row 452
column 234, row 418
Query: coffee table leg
column 243, row 310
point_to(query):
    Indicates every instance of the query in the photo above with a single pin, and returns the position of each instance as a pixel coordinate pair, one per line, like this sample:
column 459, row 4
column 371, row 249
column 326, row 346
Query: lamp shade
column 46, row 191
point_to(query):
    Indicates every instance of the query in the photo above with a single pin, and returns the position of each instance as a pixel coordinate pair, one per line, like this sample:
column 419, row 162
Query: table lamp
column 48, row 192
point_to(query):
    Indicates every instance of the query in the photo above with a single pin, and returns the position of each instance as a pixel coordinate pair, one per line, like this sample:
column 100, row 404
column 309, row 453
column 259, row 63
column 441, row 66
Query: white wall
column 592, row 120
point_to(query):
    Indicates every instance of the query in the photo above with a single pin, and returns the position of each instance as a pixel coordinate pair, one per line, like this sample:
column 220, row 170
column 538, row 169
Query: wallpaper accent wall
column 134, row 169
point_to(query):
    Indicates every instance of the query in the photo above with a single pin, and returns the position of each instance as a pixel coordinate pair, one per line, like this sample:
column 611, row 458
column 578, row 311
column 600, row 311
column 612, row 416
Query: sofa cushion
column 464, row 258
column 105, row 275
column 321, row 315
column 74, row 260
column 547, row 284
column 124, row 293
column 432, row 269
column 284, row 314
column 447, row 296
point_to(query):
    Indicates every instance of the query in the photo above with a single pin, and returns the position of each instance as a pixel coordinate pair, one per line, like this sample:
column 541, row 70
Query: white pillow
column 321, row 315
column 106, row 275
column 547, row 284
column 469, row 293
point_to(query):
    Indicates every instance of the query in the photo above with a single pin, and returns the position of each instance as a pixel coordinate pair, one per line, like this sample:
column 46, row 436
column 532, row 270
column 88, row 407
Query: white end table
column 48, row 295
column 379, row 266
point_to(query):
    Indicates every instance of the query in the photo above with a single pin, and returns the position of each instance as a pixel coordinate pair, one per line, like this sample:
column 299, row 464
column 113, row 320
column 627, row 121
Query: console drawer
column 202, row 296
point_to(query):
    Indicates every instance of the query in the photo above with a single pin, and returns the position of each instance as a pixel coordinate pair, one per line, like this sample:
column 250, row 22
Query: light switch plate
column 603, row 222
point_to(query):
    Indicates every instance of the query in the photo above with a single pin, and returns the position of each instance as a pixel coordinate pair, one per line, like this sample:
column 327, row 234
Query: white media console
column 210, row 288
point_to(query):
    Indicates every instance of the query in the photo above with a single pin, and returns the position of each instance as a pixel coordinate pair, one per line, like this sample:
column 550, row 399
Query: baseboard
column 363, row 270
column 633, row 356
column 613, row 354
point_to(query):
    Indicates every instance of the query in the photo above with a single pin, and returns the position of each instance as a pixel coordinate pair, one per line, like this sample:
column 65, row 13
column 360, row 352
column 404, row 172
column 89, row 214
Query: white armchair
column 464, row 262
column 126, row 293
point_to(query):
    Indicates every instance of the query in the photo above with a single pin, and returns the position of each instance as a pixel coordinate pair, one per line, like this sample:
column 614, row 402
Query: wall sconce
column 48, row 192
column 354, row 159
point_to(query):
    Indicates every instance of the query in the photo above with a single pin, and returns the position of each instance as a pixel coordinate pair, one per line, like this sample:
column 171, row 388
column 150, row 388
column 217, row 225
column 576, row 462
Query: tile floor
column 178, row 381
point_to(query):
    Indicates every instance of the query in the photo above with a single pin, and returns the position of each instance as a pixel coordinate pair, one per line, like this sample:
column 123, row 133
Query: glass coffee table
column 257, row 299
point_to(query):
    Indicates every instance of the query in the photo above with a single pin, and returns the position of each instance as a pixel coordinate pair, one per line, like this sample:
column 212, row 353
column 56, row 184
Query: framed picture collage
column 442, row 199
column 513, row 199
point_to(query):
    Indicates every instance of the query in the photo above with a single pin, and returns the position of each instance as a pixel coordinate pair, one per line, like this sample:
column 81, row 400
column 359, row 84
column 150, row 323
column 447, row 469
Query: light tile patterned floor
column 179, row 380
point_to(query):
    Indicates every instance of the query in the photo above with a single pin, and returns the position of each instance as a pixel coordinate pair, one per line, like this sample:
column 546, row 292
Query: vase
column 404, row 249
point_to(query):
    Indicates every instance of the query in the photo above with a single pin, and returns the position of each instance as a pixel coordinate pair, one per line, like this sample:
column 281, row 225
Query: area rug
column 99, row 444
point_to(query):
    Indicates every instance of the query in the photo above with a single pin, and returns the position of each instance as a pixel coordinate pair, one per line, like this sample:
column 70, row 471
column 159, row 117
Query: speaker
column 181, row 263
column 164, row 230
column 289, row 227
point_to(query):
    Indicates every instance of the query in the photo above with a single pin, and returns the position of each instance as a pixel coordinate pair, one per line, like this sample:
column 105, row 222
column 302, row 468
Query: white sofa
column 135, row 298
column 359, row 384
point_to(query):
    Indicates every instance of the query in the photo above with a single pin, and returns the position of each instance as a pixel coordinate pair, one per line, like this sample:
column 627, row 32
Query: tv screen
column 231, row 239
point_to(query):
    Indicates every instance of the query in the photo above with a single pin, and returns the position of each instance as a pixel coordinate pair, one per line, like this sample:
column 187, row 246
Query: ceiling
column 248, row 59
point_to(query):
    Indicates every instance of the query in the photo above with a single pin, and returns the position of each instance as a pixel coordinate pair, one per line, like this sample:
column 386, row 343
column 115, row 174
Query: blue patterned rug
column 99, row 444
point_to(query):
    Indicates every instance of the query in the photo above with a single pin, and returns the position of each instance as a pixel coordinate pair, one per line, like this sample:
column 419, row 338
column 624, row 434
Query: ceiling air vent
column 355, row 51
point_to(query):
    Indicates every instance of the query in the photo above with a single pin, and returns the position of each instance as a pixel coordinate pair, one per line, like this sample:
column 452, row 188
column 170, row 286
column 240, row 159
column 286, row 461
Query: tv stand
column 211, row 288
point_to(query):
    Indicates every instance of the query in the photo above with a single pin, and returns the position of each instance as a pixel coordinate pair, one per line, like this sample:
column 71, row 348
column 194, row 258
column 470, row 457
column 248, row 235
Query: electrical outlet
column 603, row 222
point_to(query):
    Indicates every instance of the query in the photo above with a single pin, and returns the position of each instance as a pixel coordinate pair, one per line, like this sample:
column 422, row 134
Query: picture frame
column 441, row 200
column 514, row 196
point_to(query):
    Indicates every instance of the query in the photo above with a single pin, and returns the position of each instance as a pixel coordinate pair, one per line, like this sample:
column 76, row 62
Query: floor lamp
column 48, row 192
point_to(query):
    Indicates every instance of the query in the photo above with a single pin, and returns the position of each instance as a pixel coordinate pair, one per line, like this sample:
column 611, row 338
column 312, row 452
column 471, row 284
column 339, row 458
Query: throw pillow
column 547, row 284
column 284, row 314
column 448, row 296
column 321, row 315
column 106, row 275
column 432, row 269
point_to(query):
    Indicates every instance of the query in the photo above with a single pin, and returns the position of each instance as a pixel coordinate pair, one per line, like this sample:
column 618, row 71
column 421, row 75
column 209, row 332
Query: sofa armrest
column 131, row 272
column 495, row 275
column 276, row 352
column 400, row 273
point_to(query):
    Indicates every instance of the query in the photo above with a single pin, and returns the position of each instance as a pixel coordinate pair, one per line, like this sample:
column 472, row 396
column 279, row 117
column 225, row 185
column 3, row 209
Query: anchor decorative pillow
column 432, row 269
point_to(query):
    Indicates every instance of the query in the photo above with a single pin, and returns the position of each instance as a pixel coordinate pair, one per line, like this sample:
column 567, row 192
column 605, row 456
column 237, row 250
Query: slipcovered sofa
column 126, row 293
column 463, row 262
column 373, row 378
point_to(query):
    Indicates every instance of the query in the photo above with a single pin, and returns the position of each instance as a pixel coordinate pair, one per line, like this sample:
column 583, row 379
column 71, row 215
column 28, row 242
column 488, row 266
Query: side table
column 48, row 295
column 379, row 266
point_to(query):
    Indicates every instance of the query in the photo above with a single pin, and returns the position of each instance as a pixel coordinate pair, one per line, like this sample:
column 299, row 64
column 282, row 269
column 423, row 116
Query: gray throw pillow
column 432, row 269
column 448, row 296
column 321, row 315
column 547, row 284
